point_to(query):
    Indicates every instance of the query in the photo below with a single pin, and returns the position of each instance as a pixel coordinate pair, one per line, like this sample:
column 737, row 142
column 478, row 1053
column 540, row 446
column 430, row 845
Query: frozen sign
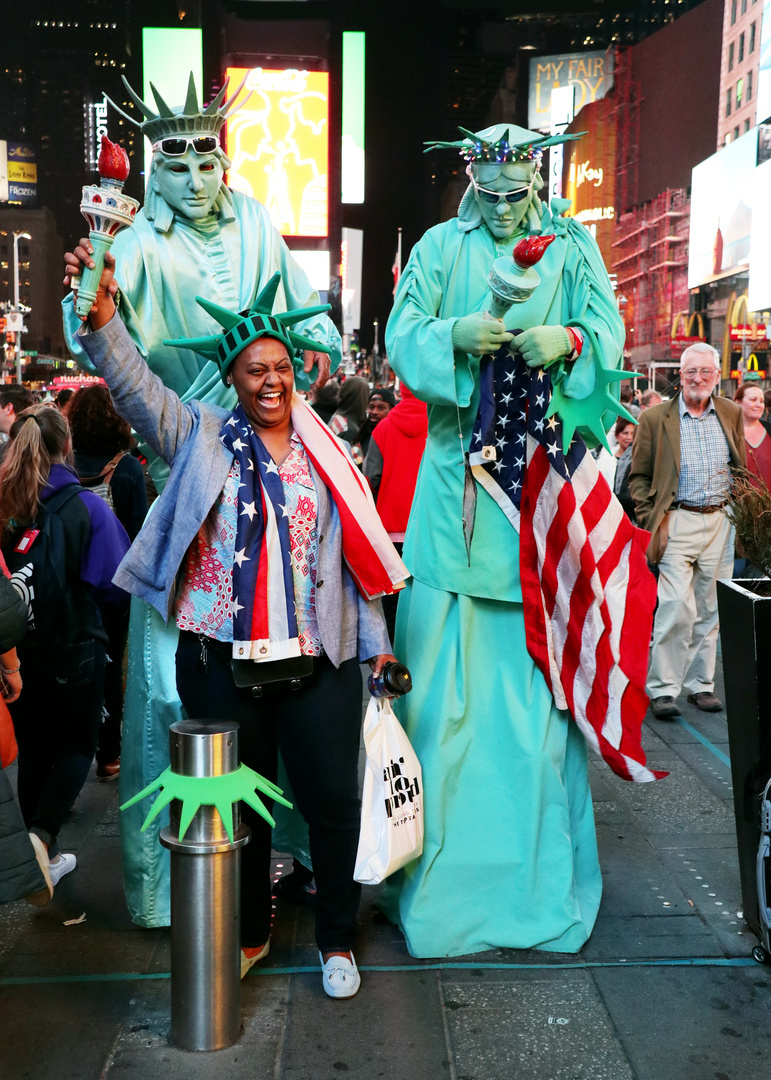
column 22, row 174
column 278, row 144
column 589, row 73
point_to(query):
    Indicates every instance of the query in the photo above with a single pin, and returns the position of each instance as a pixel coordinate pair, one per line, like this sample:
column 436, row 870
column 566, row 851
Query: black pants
column 57, row 728
column 317, row 730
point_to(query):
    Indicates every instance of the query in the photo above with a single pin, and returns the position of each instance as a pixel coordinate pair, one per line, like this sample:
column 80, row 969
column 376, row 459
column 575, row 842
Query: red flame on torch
column 529, row 251
column 113, row 161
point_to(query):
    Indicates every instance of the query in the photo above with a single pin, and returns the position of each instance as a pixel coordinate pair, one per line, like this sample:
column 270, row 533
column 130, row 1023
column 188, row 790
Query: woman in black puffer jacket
column 23, row 864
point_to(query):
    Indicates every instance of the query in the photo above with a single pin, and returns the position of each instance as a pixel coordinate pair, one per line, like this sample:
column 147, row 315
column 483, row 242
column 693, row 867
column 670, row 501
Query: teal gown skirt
column 510, row 851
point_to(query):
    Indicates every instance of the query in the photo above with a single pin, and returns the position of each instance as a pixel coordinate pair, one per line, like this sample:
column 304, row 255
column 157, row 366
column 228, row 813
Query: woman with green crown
column 266, row 552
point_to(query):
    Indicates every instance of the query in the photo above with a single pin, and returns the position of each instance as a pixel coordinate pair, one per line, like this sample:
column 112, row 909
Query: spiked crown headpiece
column 189, row 119
column 501, row 144
column 241, row 329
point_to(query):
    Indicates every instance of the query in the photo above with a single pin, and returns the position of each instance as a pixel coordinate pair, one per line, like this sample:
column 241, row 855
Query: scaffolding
column 651, row 265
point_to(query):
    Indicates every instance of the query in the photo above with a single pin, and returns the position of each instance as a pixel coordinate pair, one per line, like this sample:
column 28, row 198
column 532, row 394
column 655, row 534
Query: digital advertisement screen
column 721, row 211
column 353, row 117
column 759, row 289
column 169, row 54
column 277, row 142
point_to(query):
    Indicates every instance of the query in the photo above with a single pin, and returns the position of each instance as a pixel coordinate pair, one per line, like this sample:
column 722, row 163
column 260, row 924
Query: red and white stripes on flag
column 589, row 599
column 367, row 548
column 587, row 592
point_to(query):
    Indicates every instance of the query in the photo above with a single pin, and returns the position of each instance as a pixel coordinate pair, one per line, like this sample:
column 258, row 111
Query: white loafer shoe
column 340, row 976
column 249, row 957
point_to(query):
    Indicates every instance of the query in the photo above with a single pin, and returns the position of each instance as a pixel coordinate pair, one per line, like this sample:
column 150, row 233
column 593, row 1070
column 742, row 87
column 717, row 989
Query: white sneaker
column 65, row 865
column 340, row 976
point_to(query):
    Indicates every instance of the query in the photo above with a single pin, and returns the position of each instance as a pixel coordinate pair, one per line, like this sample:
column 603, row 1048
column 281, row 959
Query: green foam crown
column 242, row 328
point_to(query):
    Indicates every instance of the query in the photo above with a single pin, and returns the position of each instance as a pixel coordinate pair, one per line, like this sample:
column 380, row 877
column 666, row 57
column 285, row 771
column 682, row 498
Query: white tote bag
column 392, row 800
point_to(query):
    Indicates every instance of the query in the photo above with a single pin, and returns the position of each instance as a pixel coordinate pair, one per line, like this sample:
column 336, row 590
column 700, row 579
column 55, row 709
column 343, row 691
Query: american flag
column 587, row 591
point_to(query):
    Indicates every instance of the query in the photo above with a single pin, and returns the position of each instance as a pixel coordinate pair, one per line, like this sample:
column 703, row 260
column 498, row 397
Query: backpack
column 64, row 618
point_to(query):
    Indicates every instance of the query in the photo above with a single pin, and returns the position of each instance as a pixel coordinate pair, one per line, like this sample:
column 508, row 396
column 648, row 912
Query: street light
column 16, row 237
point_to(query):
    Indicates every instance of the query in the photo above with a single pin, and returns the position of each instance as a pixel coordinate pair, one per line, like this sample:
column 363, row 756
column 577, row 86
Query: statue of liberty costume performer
column 510, row 853
column 194, row 236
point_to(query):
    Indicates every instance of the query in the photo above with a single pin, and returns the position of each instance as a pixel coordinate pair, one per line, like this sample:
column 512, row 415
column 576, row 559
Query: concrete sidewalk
column 664, row 990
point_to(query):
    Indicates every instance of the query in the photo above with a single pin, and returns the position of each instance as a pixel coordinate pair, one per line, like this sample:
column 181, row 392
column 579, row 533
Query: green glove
column 478, row 334
column 542, row 345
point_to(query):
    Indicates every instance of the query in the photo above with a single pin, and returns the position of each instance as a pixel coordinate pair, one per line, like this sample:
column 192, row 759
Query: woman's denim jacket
column 187, row 437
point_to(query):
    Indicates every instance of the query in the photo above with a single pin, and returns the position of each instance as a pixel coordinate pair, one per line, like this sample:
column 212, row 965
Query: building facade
column 739, row 62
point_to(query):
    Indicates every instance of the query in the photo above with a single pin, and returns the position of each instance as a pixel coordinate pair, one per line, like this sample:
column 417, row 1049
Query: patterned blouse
column 205, row 598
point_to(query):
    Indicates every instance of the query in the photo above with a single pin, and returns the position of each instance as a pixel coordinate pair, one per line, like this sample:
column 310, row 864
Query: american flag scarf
column 264, row 617
column 587, row 592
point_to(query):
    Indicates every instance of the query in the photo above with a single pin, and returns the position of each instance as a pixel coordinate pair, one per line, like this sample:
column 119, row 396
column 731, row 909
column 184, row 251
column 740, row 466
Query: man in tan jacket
column 680, row 480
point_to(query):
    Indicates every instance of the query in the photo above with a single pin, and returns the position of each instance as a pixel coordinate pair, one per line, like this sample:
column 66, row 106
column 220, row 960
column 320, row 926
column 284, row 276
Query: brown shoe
column 664, row 708
column 106, row 773
column 706, row 702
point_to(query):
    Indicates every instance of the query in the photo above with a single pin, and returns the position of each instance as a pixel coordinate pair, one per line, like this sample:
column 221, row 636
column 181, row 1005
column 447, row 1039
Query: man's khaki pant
column 699, row 551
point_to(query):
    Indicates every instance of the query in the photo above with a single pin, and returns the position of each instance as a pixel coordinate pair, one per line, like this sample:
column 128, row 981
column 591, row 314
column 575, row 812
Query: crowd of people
column 271, row 561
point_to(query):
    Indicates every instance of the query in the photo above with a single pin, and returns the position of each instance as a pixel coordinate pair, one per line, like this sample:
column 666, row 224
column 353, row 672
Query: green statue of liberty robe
column 510, row 853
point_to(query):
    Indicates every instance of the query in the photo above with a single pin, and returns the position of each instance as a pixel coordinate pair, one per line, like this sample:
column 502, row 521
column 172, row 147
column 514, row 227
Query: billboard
column 21, row 173
column 3, row 171
column 590, row 73
column 759, row 288
column 96, row 127
column 590, row 176
column 277, row 142
column 169, row 54
column 351, row 263
column 721, row 211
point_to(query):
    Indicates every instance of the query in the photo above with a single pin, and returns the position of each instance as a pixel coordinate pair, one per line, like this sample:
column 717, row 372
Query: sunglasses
column 494, row 197
column 202, row 144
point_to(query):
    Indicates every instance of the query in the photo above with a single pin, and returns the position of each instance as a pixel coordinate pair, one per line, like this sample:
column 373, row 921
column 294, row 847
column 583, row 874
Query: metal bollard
column 205, row 896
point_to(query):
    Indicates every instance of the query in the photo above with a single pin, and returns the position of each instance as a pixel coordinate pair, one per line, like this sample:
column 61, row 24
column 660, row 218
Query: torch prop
column 514, row 280
column 107, row 210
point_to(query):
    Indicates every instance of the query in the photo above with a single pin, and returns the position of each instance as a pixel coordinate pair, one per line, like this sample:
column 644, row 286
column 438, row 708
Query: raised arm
column 155, row 412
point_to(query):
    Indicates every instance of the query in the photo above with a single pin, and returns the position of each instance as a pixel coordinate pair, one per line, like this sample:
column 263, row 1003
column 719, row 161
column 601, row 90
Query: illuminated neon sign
column 353, row 117
column 277, row 142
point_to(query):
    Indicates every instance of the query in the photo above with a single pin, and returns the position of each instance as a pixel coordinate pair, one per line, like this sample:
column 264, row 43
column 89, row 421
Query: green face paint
column 189, row 183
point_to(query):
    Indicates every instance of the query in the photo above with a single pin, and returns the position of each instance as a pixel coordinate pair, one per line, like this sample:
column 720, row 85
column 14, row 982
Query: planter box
column 745, row 637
